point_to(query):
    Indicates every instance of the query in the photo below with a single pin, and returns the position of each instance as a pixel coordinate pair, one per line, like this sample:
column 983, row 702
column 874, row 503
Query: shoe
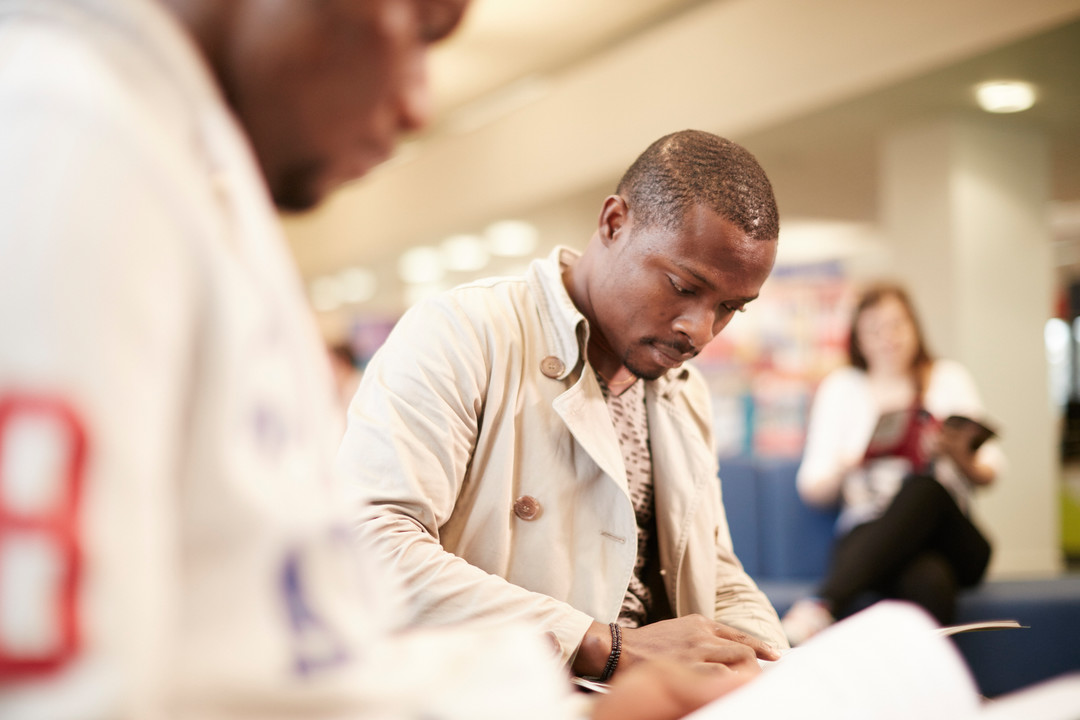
column 805, row 619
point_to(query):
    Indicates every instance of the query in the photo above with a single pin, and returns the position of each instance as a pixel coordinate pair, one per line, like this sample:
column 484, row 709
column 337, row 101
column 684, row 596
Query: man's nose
column 415, row 108
column 700, row 326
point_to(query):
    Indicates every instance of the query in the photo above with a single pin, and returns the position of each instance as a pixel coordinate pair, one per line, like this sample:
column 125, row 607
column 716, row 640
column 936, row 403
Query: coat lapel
column 585, row 413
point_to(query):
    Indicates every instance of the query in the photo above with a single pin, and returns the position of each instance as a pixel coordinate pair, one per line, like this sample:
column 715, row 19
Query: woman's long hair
column 874, row 294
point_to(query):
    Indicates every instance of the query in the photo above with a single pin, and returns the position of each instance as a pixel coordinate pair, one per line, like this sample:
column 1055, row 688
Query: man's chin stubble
column 638, row 372
column 295, row 190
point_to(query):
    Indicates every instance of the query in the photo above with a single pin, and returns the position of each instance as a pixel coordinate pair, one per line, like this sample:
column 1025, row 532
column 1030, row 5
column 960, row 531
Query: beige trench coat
column 480, row 398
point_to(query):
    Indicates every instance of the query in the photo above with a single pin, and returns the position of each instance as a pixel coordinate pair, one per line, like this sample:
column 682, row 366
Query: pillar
column 964, row 208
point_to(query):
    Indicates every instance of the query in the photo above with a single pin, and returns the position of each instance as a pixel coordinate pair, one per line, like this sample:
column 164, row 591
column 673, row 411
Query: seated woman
column 903, row 529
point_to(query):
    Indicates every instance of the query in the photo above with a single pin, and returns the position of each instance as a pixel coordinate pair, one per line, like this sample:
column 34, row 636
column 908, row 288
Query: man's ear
column 614, row 214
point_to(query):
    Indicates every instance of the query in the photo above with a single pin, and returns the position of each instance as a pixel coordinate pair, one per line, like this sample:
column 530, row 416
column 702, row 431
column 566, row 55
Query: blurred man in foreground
column 170, row 542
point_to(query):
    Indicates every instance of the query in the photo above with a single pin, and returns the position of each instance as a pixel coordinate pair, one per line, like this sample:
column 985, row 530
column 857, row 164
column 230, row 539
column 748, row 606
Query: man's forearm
column 445, row 589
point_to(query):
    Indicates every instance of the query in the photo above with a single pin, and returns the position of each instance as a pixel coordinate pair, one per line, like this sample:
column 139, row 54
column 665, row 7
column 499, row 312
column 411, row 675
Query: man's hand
column 693, row 640
column 664, row 690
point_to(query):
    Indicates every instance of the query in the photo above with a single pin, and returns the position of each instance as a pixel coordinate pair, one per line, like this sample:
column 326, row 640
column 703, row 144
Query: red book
column 900, row 434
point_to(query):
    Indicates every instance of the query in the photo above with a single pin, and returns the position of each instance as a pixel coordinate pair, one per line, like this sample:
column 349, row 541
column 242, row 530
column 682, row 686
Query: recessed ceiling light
column 511, row 238
column 357, row 285
column 325, row 294
column 464, row 253
column 420, row 265
column 1005, row 96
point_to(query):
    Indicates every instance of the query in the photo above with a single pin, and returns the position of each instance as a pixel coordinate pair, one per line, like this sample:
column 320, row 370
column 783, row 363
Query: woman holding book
column 878, row 446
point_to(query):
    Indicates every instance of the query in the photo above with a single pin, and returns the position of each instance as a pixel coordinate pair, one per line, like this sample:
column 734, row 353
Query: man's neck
column 600, row 355
column 574, row 280
column 619, row 383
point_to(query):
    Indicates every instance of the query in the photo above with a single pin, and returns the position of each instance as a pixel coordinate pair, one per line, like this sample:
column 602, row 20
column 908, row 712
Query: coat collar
column 566, row 331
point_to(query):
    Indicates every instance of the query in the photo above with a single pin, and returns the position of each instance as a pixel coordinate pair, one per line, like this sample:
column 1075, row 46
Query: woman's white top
column 842, row 420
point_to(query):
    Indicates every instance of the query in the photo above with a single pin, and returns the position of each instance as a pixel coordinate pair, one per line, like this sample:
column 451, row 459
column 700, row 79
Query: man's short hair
column 693, row 167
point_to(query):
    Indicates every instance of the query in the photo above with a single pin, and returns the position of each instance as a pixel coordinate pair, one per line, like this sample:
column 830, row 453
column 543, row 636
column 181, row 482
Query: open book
column 888, row 661
column 900, row 434
column 944, row 631
column 982, row 625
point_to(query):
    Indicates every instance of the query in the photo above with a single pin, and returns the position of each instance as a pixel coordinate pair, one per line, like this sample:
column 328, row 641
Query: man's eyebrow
column 708, row 283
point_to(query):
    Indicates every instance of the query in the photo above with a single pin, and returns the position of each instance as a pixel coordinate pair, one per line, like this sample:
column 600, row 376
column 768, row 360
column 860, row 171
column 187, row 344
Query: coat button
column 552, row 366
column 527, row 507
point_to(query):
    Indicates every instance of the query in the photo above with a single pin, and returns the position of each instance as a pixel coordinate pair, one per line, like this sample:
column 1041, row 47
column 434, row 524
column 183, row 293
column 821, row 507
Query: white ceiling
column 504, row 41
column 541, row 103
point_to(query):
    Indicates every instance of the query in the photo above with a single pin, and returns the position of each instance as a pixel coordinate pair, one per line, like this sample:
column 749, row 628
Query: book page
column 890, row 433
column 1056, row 699
column 591, row 685
column 982, row 625
column 978, row 432
column 886, row 662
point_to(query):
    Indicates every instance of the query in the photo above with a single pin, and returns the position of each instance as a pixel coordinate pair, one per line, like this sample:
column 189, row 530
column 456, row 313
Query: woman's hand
column 955, row 443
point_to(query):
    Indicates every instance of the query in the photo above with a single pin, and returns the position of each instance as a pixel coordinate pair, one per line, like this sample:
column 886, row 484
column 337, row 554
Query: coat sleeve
column 412, row 428
column 738, row 602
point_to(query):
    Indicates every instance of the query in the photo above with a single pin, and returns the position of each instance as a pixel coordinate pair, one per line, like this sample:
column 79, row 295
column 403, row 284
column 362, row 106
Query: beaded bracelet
column 616, row 651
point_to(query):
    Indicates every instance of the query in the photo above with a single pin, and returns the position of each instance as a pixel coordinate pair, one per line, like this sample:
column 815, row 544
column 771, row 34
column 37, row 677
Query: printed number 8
column 42, row 452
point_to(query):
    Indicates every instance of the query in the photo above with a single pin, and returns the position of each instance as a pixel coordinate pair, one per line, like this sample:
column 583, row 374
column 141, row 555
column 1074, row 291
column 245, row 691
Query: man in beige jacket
column 533, row 448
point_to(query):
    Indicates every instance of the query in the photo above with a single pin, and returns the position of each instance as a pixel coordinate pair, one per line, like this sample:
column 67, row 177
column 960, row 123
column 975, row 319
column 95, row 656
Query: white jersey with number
column 170, row 541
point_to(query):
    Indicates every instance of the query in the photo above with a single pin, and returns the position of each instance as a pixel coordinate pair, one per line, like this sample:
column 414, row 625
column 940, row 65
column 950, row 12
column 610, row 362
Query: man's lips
column 673, row 356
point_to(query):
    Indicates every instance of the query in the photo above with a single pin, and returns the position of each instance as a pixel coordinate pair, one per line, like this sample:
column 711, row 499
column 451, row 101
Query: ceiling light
column 464, row 253
column 356, row 285
column 325, row 294
column 512, row 238
column 420, row 265
column 1005, row 96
